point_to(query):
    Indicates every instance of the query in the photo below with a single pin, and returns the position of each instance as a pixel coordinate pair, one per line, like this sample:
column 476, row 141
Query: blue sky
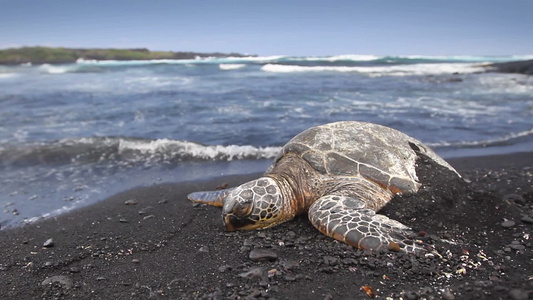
column 430, row 27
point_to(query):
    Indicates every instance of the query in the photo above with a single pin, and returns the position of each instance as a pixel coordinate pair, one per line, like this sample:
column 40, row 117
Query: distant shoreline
column 48, row 55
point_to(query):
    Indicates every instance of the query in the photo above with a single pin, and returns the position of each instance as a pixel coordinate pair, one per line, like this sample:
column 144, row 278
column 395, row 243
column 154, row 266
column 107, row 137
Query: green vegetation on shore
column 41, row 55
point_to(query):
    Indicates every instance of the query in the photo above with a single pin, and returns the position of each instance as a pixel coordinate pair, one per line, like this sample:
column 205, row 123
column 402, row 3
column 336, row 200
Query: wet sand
column 151, row 242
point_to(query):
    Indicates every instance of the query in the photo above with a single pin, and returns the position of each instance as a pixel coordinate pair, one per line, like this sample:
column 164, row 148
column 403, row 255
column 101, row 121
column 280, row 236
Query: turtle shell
column 346, row 149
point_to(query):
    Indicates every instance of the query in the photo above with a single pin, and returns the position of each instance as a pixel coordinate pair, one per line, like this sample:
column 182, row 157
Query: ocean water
column 74, row 134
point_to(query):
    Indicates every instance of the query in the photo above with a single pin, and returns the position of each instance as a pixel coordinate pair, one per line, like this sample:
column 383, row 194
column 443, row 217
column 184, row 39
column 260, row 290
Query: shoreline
column 60, row 55
column 151, row 241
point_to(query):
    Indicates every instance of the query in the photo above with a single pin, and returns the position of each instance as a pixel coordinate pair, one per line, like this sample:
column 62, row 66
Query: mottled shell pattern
column 380, row 154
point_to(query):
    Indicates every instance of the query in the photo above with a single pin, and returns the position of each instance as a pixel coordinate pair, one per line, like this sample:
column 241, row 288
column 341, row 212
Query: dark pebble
column 124, row 221
column 145, row 210
column 263, row 254
column 291, row 234
column 411, row 295
column 74, row 270
column 289, row 277
column 49, row 243
column 224, row 268
column 131, row 202
column 290, row 264
column 254, row 273
column 65, row 281
column 518, row 294
column 331, row 261
column 517, row 246
column 508, row 223
column 447, row 294
column 263, row 283
column 527, row 219
column 515, row 198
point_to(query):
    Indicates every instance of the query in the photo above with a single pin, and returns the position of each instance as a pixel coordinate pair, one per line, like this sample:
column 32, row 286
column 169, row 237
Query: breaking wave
column 135, row 150
column 56, row 69
column 373, row 65
column 128, row 150
column 7, row 75
column 348, row 57
column 231, row 66
column 505, row 140
column 378, row 71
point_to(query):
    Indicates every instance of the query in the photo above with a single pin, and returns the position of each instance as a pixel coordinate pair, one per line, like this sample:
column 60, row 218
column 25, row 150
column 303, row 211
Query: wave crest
column 378, row 71
column 501, row 141
column 185, row 150
column 228, row 67
column 123, row 150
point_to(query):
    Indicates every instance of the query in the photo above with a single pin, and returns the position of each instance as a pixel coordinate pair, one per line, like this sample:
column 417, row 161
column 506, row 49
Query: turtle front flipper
column 347, row 220
column 214, row 198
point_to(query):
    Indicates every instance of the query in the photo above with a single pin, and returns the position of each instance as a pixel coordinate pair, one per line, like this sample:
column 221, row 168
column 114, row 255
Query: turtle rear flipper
column 347, row 220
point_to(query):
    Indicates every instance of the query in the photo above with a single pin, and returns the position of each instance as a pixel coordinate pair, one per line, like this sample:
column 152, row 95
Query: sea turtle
column 341, row 174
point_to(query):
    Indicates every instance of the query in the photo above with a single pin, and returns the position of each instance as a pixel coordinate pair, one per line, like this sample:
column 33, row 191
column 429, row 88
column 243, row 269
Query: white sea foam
column 197, row 60
column 378, row 71
column 504, row 83
column 228, row 67
column 278, row 58
column 347, row 57
column 86, row 61
column 7, row 75
column 469, row 58
column 484, row 143
column 184, row 149
column 53, row 213
column 137, row 62
column 50, row 69
column 252, row 58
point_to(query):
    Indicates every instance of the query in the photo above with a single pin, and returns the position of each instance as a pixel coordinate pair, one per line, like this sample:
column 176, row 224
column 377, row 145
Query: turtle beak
column 227, row 222
column 234, row 223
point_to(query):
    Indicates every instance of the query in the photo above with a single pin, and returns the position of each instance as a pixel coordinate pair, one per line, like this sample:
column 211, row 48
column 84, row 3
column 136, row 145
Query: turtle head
column 253, row 205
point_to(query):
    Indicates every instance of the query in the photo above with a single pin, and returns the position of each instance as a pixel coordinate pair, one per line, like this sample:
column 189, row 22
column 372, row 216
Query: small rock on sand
column 263, row 254
column 508, row 223
column 254, row 273
column 49, row 243
column 65, row 281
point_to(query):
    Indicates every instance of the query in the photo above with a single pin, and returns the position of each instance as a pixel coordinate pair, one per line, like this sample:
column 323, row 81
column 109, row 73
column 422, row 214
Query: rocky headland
column 47, row 55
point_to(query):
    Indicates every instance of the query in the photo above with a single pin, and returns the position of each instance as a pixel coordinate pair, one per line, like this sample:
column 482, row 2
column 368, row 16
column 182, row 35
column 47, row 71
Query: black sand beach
column 153, row 243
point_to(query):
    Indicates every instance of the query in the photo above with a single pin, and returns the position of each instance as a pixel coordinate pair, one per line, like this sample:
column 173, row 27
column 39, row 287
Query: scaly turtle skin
column 341, row 174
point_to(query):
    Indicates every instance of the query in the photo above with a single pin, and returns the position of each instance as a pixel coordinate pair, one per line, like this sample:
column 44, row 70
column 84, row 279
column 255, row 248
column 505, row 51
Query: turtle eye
column 242, row 208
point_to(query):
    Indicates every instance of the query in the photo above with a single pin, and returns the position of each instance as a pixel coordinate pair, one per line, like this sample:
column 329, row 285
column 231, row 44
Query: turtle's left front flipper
column 214, row 198
column 347, row 220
